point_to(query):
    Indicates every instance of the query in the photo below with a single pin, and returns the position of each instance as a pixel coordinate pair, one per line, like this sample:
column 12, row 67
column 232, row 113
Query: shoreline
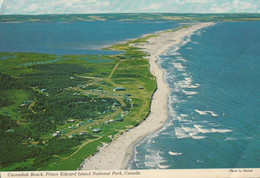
column 120, row 151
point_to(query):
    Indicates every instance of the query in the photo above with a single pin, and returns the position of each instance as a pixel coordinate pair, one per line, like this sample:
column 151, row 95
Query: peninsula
column 117, row 154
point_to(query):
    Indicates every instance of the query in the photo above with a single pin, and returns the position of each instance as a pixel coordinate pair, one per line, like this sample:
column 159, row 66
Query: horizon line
column 135, row 13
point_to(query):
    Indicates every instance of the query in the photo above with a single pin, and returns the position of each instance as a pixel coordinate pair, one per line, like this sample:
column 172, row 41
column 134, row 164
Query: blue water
column 214, row 102
column 73, row 38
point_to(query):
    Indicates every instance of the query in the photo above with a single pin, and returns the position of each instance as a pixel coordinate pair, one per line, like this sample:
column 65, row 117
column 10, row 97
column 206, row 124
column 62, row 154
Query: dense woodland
column 53, row 105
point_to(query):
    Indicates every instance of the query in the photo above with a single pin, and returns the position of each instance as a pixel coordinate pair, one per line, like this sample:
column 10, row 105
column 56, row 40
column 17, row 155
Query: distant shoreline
column 118, row 154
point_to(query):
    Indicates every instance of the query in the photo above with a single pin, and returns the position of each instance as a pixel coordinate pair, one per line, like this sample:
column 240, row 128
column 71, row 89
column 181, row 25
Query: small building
column 71, row 121
column 119, row 89
column 97, row 130
column 120, row 119
column 55, row 135
column 72, row 127
column 82, row 133
column 115, row 104
column 111, row 120
column 27, row 102
column 43, row 90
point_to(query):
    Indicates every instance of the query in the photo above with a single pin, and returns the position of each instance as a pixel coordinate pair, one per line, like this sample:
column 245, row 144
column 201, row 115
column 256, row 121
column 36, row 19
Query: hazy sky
column 122, row 6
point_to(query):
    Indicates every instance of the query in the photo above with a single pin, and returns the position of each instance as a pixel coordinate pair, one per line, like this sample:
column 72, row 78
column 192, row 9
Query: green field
column 58, row 110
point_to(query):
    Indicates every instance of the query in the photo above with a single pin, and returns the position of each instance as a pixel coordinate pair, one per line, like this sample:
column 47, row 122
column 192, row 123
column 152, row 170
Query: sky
column 127, row 6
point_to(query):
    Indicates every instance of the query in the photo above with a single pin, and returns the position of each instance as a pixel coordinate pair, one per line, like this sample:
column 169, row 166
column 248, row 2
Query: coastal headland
column 117, row 154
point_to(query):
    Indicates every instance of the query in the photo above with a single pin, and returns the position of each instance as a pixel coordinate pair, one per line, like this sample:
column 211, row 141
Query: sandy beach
column 117, row 154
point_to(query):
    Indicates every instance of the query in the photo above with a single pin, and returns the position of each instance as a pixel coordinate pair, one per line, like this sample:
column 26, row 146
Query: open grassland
column 58, row 110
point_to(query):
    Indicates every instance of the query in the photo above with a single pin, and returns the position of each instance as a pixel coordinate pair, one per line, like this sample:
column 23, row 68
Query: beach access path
column 116, row 155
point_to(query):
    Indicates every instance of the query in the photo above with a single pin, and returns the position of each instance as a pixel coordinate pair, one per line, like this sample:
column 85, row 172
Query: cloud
column 193, row 1
column 100, row 3
column 33, row 7
column 154, row 6
column 124, row 6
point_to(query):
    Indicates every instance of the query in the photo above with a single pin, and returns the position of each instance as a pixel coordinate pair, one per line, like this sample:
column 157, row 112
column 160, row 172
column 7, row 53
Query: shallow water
column 73, row 38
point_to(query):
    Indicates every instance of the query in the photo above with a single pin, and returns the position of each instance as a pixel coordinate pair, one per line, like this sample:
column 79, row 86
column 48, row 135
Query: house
column 115, row 104
column 97, row 130
column 119, row 89
column 55, row 135
column 120, row 119
column 71, row 121
column 82, row 133
column 44, row 90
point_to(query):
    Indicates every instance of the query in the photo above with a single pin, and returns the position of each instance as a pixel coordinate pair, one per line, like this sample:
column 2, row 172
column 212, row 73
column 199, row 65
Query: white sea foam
column 192, row 135
column 185, row 74
column 211, row 130
column 221, row 130
column 206, row 112
column 230, row 139
column 184, row 115
column 162, row 166
column 192, row 132
column 180, row 133
column 174, row 154
column 181, row 119
column 155, row 160
column 213, row 114
column 179, row 66
column 189, row 92
column 178, row 58
column 201, row 112
column 201, row 130
column 189, row 129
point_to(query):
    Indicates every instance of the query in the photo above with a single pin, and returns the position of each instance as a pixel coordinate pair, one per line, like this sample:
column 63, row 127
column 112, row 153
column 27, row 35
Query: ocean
column 79, row 38
column 214, row 102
